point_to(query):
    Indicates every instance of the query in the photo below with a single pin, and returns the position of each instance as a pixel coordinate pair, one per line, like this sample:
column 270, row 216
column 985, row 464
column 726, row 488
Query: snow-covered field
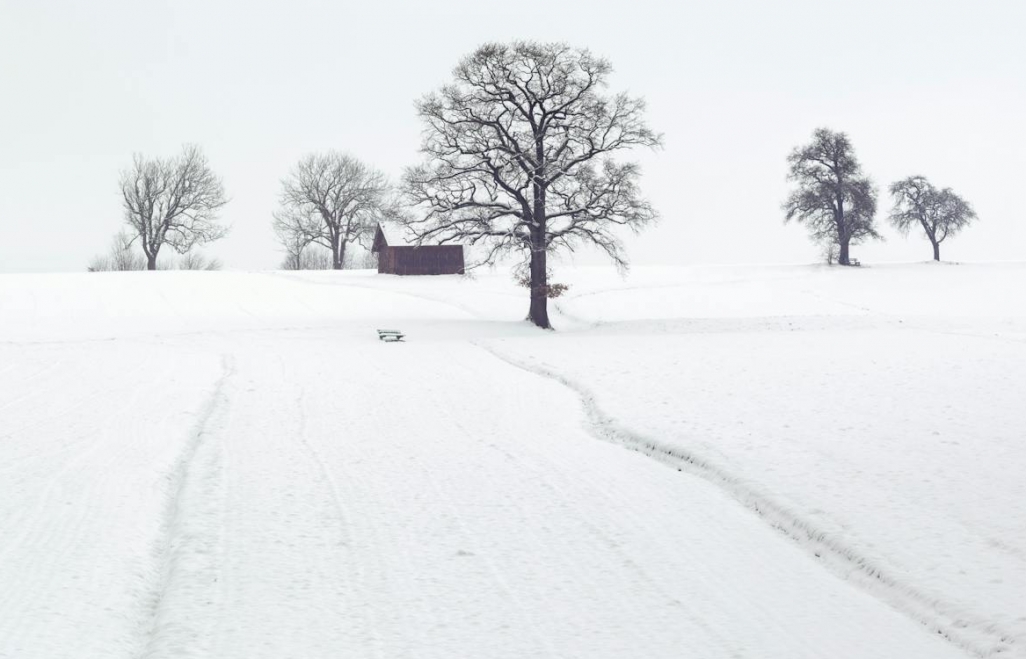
column 828, row 463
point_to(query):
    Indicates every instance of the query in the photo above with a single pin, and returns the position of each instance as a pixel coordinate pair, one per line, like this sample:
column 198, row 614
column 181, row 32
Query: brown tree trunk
column 842, row 256
column 936, row 251
column 539, row 312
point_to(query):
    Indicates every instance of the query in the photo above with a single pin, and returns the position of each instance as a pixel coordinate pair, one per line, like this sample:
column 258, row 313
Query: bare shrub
column 196, row 261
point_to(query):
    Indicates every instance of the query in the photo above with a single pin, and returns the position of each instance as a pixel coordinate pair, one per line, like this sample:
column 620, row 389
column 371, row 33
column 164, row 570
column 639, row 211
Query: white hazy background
column 922, row 87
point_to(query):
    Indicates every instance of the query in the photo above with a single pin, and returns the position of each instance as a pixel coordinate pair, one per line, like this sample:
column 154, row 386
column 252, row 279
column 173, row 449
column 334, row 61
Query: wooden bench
column 390, row 336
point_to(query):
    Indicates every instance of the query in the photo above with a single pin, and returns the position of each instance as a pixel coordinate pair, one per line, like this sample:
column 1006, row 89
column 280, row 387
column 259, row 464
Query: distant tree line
column 520, row 159
column 836, row 201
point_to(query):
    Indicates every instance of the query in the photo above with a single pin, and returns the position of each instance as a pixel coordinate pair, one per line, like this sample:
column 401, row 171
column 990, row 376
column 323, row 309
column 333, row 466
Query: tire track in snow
column 978, row 636
column 186, row 550
column 31, row 525
column 356, row 575
column 504, row 583
column 547, row 480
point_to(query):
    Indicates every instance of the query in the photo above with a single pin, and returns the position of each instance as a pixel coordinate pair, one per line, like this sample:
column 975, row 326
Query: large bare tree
column 518, row 159
column 941, row 213
column 330, row 199
column 835, row 201
column 172, row 202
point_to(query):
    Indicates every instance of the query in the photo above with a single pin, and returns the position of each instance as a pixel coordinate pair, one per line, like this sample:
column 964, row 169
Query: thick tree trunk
column 338, row 254
column 151, row 262
column 842, row 256
column 936, row 251
column 340, row 263
column 539, row 312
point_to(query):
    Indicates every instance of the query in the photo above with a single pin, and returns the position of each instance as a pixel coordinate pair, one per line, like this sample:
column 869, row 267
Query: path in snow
column 396, row 501
column 89, row 440
column 316, row 493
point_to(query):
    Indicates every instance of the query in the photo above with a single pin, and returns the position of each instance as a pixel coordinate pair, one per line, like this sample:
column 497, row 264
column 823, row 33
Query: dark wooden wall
column 425, row 260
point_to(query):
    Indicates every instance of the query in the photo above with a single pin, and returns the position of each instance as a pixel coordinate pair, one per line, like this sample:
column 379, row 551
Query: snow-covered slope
column 876, row 415
column 231, row 465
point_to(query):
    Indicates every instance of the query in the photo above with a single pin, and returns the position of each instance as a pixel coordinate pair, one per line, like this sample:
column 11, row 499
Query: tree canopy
column 172, row 201
column 832, row 197
column 330, row 199
column 940, row 212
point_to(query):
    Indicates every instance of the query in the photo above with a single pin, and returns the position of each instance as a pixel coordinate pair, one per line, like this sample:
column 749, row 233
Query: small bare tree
column 519, row 159
column 941, row 213
column 119, row 258
column 312, row 258
column 829, row 251
column 361, row 259
column 293, row 241
column 331, row 200
column 832, row 198
column 319, row 258
column 196, row 261
column 172, row 202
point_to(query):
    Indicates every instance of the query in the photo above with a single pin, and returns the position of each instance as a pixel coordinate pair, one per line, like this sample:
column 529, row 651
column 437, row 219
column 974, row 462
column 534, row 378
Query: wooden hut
column 396, row 256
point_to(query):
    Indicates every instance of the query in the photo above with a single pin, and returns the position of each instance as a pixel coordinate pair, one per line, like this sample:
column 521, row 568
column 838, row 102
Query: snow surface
column 232, row 465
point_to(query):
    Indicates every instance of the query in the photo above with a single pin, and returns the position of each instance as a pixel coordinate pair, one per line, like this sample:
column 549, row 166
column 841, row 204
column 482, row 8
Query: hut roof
column 391, row 235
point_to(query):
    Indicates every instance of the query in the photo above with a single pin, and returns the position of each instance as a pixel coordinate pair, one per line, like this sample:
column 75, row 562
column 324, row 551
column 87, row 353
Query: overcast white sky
column 932, row 87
